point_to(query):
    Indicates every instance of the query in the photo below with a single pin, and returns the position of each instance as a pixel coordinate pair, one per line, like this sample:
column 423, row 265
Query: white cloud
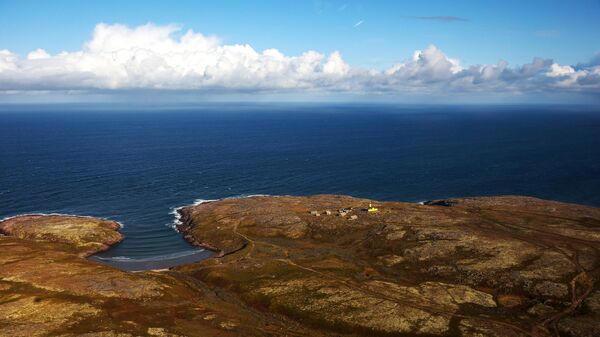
column 335, row 65
column 38, row 54
column 429, row 65
column 118, row 57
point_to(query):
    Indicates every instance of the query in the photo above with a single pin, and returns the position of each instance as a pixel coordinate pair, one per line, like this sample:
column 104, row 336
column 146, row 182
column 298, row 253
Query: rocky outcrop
column 86, row 235
column 48, row 288
column 496, row 266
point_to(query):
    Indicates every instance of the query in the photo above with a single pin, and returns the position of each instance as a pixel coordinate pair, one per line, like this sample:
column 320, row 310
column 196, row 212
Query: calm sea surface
column 135, row 166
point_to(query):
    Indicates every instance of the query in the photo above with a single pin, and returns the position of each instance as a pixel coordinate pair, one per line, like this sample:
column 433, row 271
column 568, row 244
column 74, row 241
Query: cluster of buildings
column 343, row 212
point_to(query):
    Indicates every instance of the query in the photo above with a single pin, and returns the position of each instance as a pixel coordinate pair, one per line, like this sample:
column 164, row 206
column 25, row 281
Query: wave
column 240, row 196
column 175, row 210
column 153, row 258
column 121, row 225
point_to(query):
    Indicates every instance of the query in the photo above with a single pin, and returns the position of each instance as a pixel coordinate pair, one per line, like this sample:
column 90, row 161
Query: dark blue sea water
column 136, row 165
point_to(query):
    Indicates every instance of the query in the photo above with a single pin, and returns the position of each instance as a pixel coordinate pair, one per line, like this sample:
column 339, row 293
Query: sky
column 406, row 51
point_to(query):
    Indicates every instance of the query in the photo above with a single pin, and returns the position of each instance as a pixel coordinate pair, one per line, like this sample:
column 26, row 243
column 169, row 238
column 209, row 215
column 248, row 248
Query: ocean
column 136, row 165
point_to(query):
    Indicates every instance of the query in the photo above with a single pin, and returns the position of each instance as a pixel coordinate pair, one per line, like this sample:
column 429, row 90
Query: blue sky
column 515, row 31
column 368, row 34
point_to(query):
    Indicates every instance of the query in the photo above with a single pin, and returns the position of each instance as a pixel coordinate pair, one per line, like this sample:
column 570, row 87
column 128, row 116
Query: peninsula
column 322, row 265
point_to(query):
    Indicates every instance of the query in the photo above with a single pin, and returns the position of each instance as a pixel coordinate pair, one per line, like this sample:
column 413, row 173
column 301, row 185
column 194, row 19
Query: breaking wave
column 175, row 210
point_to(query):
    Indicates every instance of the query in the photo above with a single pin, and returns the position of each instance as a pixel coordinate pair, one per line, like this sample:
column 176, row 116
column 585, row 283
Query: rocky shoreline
column 493, row 266
column 185, row 228
column 83, row 228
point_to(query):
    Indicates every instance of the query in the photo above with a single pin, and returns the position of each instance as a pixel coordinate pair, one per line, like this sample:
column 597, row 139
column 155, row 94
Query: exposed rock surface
column 494, row 266
column 498, row 266
column 48, row 288
column 86, row 235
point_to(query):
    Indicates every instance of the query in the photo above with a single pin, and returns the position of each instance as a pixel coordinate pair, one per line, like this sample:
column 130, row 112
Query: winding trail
column 581, row 283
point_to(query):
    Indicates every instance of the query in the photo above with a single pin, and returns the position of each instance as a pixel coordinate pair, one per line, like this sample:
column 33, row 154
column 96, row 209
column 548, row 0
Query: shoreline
column 183, row 223
column 121, row 225
column 185, row 228
column 395, row 267
column 153, row 264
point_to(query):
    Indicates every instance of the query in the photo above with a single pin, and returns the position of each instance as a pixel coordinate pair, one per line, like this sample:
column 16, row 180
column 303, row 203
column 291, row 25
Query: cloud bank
column 152, row 57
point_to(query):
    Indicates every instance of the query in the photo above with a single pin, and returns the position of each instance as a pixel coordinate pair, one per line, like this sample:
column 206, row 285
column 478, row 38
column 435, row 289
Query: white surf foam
column 174, row 210
column 113, row 258
column 153, row 258
column 240, row 196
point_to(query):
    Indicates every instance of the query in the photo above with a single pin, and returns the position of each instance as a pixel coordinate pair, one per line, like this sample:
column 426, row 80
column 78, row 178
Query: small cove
column 137, row 167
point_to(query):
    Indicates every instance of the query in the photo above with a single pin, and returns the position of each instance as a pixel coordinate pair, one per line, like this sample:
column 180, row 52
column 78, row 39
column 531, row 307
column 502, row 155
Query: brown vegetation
column 497, row 266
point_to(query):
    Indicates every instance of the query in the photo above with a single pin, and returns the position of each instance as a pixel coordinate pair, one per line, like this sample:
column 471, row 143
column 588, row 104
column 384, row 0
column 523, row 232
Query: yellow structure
column 372, row 209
